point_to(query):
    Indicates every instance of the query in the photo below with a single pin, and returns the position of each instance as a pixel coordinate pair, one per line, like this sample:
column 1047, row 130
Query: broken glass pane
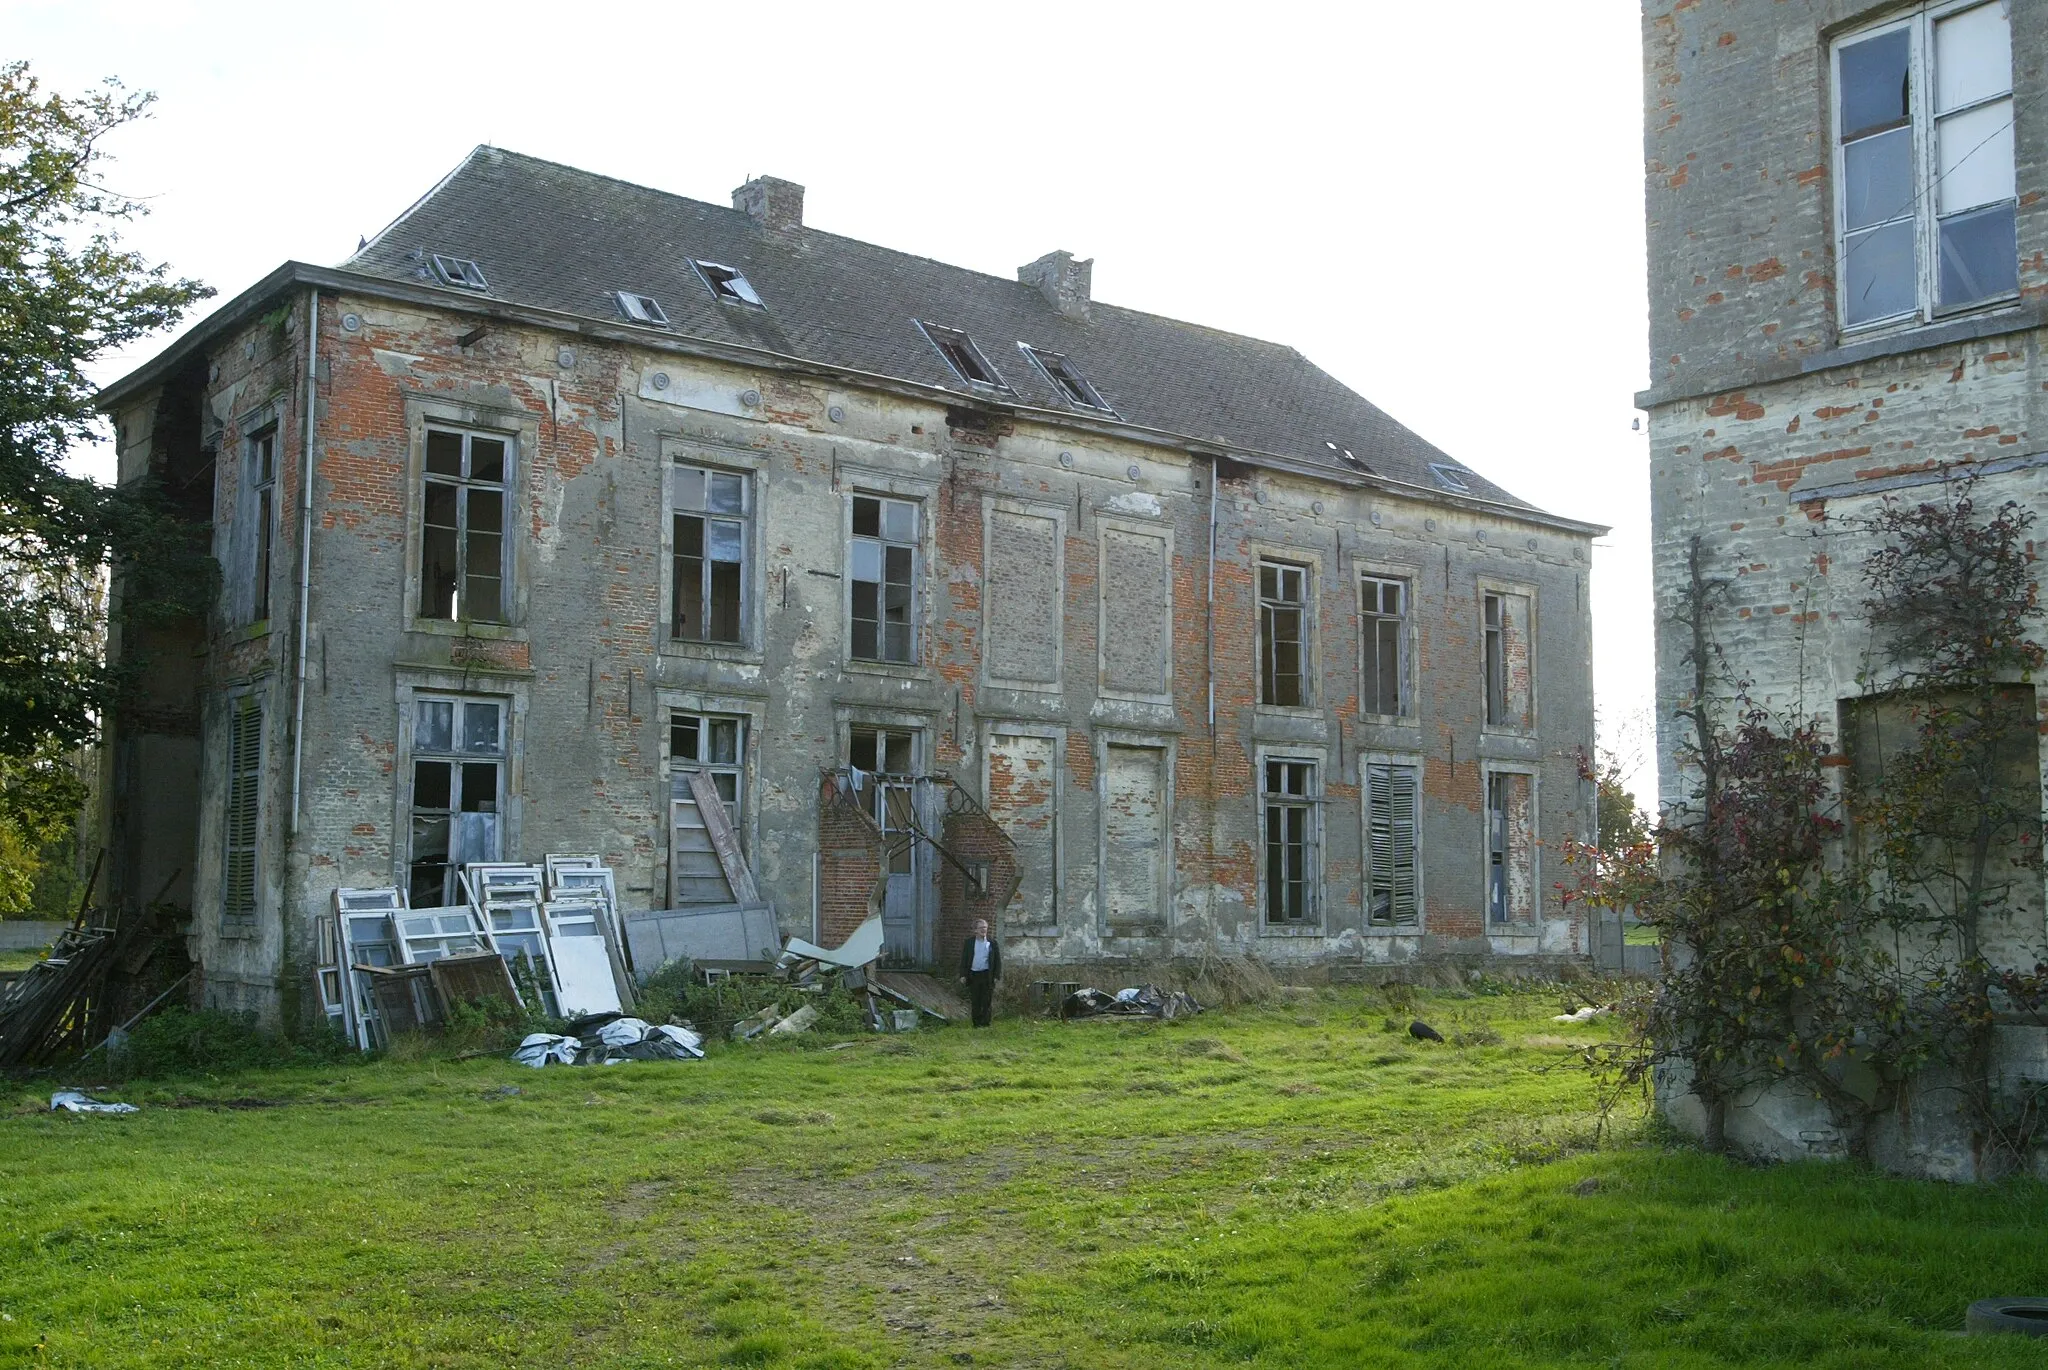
column 1878, row 274
column 867, row 517
column 430, row 784
column 486, row 459
column 683, row 732
column 1979, row 257
column 724, row 625
column 437, row 573
column 1874, row 91
column 444, row 453
column 1877, row 178
column 479, row 787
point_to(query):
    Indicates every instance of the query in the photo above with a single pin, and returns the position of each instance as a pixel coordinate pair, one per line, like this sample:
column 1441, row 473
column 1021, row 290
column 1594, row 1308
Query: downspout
column 305, row 549
column 1209, row 625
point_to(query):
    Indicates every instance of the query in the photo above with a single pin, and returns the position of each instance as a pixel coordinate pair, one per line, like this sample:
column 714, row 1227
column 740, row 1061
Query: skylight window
column 963, row 356
column 727, row 284
column 1072, row 385
column 1451, row 478
column 460, row 272
column 1350, row 459
column 641, row 308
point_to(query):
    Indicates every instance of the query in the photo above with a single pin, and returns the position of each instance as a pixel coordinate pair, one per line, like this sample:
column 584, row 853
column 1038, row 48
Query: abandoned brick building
column 1848, row 248
column 562, row 488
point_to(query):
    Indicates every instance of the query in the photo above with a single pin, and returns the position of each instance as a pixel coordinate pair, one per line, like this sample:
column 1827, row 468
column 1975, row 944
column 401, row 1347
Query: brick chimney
column 1063, row 281
column 772, row 203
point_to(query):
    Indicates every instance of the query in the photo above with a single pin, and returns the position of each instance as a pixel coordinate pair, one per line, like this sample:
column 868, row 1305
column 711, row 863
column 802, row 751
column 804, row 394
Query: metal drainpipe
column 1209, row 625
column 305, row 548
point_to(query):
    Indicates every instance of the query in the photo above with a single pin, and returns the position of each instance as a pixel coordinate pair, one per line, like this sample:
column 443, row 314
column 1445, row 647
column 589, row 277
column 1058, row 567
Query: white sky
column 1441, row 205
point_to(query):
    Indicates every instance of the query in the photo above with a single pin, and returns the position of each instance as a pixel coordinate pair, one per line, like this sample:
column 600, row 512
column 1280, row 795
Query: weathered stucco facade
column 1781, row 412
column 1083, row 639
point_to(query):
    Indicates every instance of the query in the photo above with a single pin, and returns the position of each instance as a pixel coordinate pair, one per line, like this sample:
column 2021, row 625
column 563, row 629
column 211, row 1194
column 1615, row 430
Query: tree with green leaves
column 69, row 294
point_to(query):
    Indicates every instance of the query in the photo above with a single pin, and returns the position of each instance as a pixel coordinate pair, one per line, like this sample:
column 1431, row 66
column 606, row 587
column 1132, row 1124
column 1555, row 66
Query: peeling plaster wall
column 1063, row 599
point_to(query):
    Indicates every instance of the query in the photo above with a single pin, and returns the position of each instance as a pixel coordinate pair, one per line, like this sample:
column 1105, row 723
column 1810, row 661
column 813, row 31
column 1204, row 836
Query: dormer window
column 641, row 308
column 1451, row 478
column 727, row 284
column 963, row 356
column 460, row 272
column 1072, row 385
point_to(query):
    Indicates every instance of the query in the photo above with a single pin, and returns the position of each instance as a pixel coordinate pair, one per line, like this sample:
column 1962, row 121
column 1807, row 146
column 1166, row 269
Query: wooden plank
column 469, row 979
column 920, row 991
column 726, row 842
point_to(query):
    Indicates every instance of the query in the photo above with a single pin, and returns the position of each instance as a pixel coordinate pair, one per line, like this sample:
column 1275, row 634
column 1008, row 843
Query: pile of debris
column 893, row 1000
column 545, row 938
column 616, row 1040
column 104, row 973
column 1139, row 1001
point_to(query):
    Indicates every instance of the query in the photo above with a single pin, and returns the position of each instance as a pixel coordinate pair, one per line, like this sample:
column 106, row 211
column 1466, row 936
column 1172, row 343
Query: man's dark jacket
column 995, row 959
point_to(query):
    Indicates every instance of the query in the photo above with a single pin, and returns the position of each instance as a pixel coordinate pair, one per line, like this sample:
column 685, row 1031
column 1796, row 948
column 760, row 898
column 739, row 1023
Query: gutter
column 251, row 301
column 305, row 548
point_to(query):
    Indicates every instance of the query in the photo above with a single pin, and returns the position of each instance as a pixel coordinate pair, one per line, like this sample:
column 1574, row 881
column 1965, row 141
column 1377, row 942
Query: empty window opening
column 458, row 750
column 263, row 473
column 462, row 527
column 242, row 813
column 1506, row 661
column 1292, row 876
column 884, row 579
column 963, row 356
column 716, row 745
column 1390, row 887
column 1072, row 385
column 460, row 272
column 709, row 590
column 1384, row 636
column 1510, row 847
column 889, row 755
column 728, row 283
column 1924, row 160
column 1283, row 600
column 1496, row 662
column 641, row 308
column 1451, row 478
column 1339, row 450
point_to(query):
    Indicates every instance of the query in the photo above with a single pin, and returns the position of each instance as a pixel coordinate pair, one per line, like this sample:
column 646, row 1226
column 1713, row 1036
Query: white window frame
column 1924, row 215
column 727, row 284
column 882, row 543
column 1369, row 619
column 942, row 337
column 745, row 519
column 460, row 272
column 455, row 755
column 640, row 308
column 464, row 484
column 1311, row 804
column 1305, row 607
column 1066, row 379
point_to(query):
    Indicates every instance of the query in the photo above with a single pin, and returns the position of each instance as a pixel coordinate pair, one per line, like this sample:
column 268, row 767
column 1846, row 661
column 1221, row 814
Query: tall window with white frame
column 242, row 813
column 1391, row 800
column 1384, row 639
column 462, row 527
column 458, row 781
column 263, row 479
column 884, row 579
column 890, row 757
column 1293, row 867
column 1924, row 166
column 712, row 512
column 715, row 744
column 1283, row 633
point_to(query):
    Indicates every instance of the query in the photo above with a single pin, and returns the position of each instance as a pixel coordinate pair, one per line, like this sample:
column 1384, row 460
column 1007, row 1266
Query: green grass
column 1289, row 1186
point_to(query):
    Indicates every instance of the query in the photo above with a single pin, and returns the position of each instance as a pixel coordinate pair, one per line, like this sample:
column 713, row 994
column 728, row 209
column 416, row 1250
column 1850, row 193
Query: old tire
column 2024, row 1317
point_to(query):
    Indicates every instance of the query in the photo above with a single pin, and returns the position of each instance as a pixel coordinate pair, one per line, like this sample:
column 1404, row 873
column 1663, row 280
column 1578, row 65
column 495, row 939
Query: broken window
column 1451, row 478
column 641, row 308
column 727, row 283
column 1071, row 384
column 963, row 356
column 890, row 797
column 710, row 551
column 1283, row 644
column 460, row 272
column 1924, row 164
column 1392, row 795
column 1383, row 634
column 884, row 579
column 242, row 813
column 462, row 527
column 458, row 752
column 263, row 479
column 1506, row 661
column 1510, row 847
column 716, row 745
column 1292, row 873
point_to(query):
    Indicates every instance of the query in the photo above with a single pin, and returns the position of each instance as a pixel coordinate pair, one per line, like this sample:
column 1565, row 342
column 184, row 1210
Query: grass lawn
column 1295, row 1185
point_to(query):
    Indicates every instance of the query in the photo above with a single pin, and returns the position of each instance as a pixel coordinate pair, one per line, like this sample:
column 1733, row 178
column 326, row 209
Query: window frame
column 1450, row 477
column 456, row 756
column 1310, row 804
column 465, row 484
column 1392, row 762
column 258, row 447
column 915, row 544
column 1493, row 773
column 942, row 338
column 1306, row 694
column 460, row 273
column 675, row 766
column 1922, row 120
column 676, row 465
column 242, row 835
column 727, row 284
column 1066, row 379
column 641, row 309
column 1404, row 624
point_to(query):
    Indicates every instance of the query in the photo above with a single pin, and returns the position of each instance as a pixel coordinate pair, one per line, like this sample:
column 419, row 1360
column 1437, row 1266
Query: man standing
column 981, row 965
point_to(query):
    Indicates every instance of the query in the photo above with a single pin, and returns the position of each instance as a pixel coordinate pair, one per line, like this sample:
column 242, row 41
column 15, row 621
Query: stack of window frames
column 586, row 935
column 365, row 938
column 506, row 898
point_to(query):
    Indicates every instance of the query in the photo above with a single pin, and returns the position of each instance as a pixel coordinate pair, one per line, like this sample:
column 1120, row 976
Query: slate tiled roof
column 556, row 238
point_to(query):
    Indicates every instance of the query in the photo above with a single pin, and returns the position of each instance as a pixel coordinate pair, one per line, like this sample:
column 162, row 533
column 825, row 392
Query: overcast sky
column 1441, row 205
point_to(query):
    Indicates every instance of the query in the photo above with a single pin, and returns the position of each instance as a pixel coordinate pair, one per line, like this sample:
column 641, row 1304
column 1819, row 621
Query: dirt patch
column 186, row 1101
